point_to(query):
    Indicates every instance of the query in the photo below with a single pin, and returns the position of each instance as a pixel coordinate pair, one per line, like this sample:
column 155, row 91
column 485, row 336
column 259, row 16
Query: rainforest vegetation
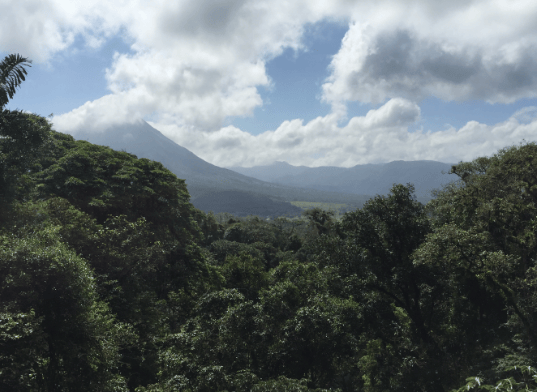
column 110, row 280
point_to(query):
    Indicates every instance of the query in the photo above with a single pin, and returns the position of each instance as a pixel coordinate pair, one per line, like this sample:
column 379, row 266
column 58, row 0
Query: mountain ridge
column 204, row 179
column 372, row 179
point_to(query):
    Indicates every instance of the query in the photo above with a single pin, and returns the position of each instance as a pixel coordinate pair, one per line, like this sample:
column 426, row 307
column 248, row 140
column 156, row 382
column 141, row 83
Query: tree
column 12, row 73
column 523, row 378
column 399, row 349
column 23, row 139
column 319, row 220
column 388, row 230
column 55, row 334
column 485, row 241
column 21, row 134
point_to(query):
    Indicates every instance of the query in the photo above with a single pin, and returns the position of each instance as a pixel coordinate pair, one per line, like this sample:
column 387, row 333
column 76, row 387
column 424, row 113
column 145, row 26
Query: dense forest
column 110, row 280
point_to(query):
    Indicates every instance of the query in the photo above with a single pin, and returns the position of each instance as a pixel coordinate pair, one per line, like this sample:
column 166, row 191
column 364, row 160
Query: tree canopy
column 110, row 280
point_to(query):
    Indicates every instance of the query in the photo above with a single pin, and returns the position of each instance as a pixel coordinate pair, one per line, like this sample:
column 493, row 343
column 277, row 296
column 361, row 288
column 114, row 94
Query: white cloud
column 380, row 136
column 484, row 50
column 194, row 63
column 103, row 113
column 197, row 62
column 191, row 94
column 39, row 29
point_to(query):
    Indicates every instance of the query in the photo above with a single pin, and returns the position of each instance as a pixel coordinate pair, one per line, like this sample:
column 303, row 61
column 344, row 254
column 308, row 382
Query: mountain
column 243, row 204
column 271, row 173
column 202, row 178
column 370, row 179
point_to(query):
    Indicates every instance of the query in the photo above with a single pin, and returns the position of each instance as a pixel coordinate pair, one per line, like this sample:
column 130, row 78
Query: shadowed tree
column 21, row 134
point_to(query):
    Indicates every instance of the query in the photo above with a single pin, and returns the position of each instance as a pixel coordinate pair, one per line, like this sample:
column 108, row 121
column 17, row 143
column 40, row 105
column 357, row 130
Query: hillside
column 243, row 203
column 203, row 178
column 370, row 179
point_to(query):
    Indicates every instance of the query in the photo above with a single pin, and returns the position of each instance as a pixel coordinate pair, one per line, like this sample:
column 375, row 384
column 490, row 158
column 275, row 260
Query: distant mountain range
column 206, row 182
column 267, row 190
column 370, row 179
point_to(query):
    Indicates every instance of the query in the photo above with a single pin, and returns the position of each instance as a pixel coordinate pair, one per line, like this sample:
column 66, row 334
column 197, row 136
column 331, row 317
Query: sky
column 309, row 82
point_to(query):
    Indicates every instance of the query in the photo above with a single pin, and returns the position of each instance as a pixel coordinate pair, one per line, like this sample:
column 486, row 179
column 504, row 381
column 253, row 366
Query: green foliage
column 338, row 209
column 56, row 335
column 129, row 219
column 282, row 383
column 320, row 220
column 246, row 274
column 250, row 231
column 492, row 211
column 496, row 195
column 222, row 248
column 209, row 226
column 23, row 138
column 524, row 378
column 111, row 280
column 104, row 182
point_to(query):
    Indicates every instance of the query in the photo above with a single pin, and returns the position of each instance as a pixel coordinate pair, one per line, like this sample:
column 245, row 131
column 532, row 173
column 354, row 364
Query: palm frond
column 12, row 74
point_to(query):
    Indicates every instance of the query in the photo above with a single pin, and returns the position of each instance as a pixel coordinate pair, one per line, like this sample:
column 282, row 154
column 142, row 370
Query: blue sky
column 69, row 79
column 298, row 76
column 243, row 82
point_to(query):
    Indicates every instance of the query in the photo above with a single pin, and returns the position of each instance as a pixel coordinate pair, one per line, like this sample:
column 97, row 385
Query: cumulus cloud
column 196, row 63
column 464, row 50
column 39, row 29
column 380, row 136
column 103, row 113
column 193, row 64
